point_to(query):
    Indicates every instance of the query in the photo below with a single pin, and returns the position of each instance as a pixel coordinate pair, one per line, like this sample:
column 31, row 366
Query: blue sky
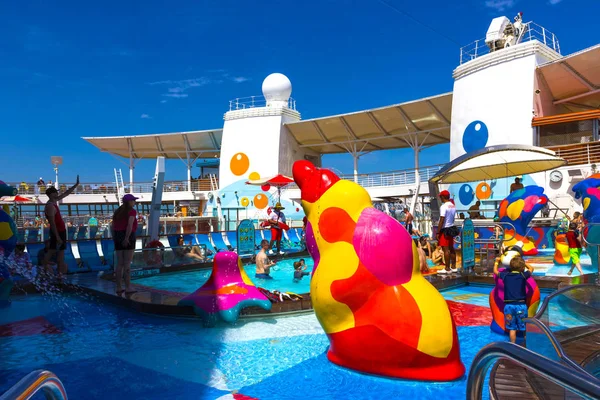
column 70, row 69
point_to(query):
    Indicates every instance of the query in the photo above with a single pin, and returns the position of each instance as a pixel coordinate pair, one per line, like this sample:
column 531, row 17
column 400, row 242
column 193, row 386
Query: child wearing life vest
column 574, row 247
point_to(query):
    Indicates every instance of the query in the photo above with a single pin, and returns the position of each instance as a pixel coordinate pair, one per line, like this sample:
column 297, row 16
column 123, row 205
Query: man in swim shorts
column 263, row 264
column 408, row 222
column 58, row 229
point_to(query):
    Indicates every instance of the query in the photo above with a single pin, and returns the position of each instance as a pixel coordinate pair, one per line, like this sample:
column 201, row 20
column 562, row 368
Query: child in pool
column 300, row 270
column 574, row 247
column 422, row 257
column 515, row 293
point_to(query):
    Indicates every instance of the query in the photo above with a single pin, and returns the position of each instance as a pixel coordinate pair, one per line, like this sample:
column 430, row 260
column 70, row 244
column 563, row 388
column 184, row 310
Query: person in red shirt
column 574, row 247
column 58, row 230
column 124, row 225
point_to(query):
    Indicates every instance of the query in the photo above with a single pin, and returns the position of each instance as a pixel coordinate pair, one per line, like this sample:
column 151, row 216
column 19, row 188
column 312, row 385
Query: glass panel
column 566, row 133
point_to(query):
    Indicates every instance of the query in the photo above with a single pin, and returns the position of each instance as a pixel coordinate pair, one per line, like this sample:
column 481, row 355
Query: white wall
column 501, row 96
column 256, row 137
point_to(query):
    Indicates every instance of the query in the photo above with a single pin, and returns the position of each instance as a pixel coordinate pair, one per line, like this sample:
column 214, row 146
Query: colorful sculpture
column 518, row 209
column 588, row 191
column 497, row 293
column 8, row 241
column 227, row 291
column 381, row 316
column 561, row 250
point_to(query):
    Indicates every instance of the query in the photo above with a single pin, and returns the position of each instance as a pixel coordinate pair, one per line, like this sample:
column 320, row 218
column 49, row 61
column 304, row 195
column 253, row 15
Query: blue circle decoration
column 466, row 194
column 475, row 136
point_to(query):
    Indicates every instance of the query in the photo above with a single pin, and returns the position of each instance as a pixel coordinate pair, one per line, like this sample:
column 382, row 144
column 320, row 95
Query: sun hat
column 278, row 206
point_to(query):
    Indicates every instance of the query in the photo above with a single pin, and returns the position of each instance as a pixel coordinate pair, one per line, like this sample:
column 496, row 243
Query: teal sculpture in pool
column 227, row 291
column 8, row 241
column 588, row 190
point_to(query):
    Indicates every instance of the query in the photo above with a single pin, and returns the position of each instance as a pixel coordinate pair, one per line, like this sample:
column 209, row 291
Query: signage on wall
column 245, row 238
column 468, row 244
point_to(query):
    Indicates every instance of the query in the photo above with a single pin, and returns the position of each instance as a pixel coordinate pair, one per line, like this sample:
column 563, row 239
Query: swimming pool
column 101, row 351
column 188, row 282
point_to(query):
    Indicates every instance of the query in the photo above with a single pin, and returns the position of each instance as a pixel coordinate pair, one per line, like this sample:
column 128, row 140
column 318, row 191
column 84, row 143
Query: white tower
column 494, row 96
column 256, row 143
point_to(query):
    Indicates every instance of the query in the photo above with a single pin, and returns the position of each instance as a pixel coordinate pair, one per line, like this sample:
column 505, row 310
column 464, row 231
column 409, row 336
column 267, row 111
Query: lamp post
column 56, row 161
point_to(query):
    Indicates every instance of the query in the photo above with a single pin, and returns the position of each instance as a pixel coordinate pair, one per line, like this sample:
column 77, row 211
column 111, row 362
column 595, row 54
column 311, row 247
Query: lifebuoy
column 483, row 191
column 154, row 257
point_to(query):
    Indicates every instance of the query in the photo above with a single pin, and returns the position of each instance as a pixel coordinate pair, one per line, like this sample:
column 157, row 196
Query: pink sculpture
column 227, row 291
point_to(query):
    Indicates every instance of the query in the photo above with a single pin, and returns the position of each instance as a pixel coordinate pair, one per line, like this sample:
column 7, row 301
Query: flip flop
column 119, row 292
column 131, row 292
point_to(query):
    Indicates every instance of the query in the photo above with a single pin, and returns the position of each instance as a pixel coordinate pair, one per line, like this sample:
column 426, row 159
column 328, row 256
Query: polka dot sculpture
column 518, row 209
column 588, row 190
column 227, row 291
column 497, row 294
column 380, row 314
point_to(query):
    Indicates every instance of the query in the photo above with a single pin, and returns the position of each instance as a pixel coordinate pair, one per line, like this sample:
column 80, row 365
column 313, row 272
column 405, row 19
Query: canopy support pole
column 131, row 168
column 356, row 154
column 355, row 157
column 414, row 144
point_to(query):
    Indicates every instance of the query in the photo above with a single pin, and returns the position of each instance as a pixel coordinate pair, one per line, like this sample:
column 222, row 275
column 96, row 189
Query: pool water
column 543, row 263
column 187, row 282
column 101, row 351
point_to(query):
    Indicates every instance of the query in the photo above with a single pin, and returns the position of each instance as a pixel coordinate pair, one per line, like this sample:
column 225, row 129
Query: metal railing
column 392, row 178
column 375, row 179
column 559, row 374
column 579, row 153
column 541, row 321
column 200, row 185
column 243, row 103
column 533, row 32
column 27, row 387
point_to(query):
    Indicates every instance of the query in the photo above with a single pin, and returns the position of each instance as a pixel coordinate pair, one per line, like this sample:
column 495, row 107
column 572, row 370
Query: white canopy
column 497, row 162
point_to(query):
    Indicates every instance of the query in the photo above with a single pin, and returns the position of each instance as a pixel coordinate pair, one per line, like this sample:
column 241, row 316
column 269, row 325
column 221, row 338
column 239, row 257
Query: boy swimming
column 515, row 294
column 300, row 270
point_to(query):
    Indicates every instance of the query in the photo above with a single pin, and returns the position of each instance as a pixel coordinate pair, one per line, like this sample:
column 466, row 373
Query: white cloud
column 554, row 1
column 500, row 5
column 178, row 89
column 176, row 95
column 145, row 116
column 163, row 101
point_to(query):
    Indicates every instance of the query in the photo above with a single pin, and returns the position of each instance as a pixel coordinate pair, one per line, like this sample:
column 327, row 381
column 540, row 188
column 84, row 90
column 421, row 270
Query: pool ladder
column 38, row 380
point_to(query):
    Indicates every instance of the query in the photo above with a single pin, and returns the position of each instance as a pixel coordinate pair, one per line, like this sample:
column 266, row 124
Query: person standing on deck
column 275, row 217
column 58, row 230
column 446, row 232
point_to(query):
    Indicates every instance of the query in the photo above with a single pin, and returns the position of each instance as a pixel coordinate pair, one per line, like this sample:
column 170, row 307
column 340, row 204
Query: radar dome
column 277, row 89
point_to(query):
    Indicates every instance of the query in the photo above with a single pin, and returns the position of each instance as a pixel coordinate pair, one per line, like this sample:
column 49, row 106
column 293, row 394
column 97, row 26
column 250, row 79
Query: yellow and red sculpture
column 380, row 314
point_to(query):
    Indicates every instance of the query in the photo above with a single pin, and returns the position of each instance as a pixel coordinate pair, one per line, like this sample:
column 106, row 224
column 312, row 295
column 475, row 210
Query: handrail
column 549, row 369
column 548, row 298
column 556, row 344
column 35, row 381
